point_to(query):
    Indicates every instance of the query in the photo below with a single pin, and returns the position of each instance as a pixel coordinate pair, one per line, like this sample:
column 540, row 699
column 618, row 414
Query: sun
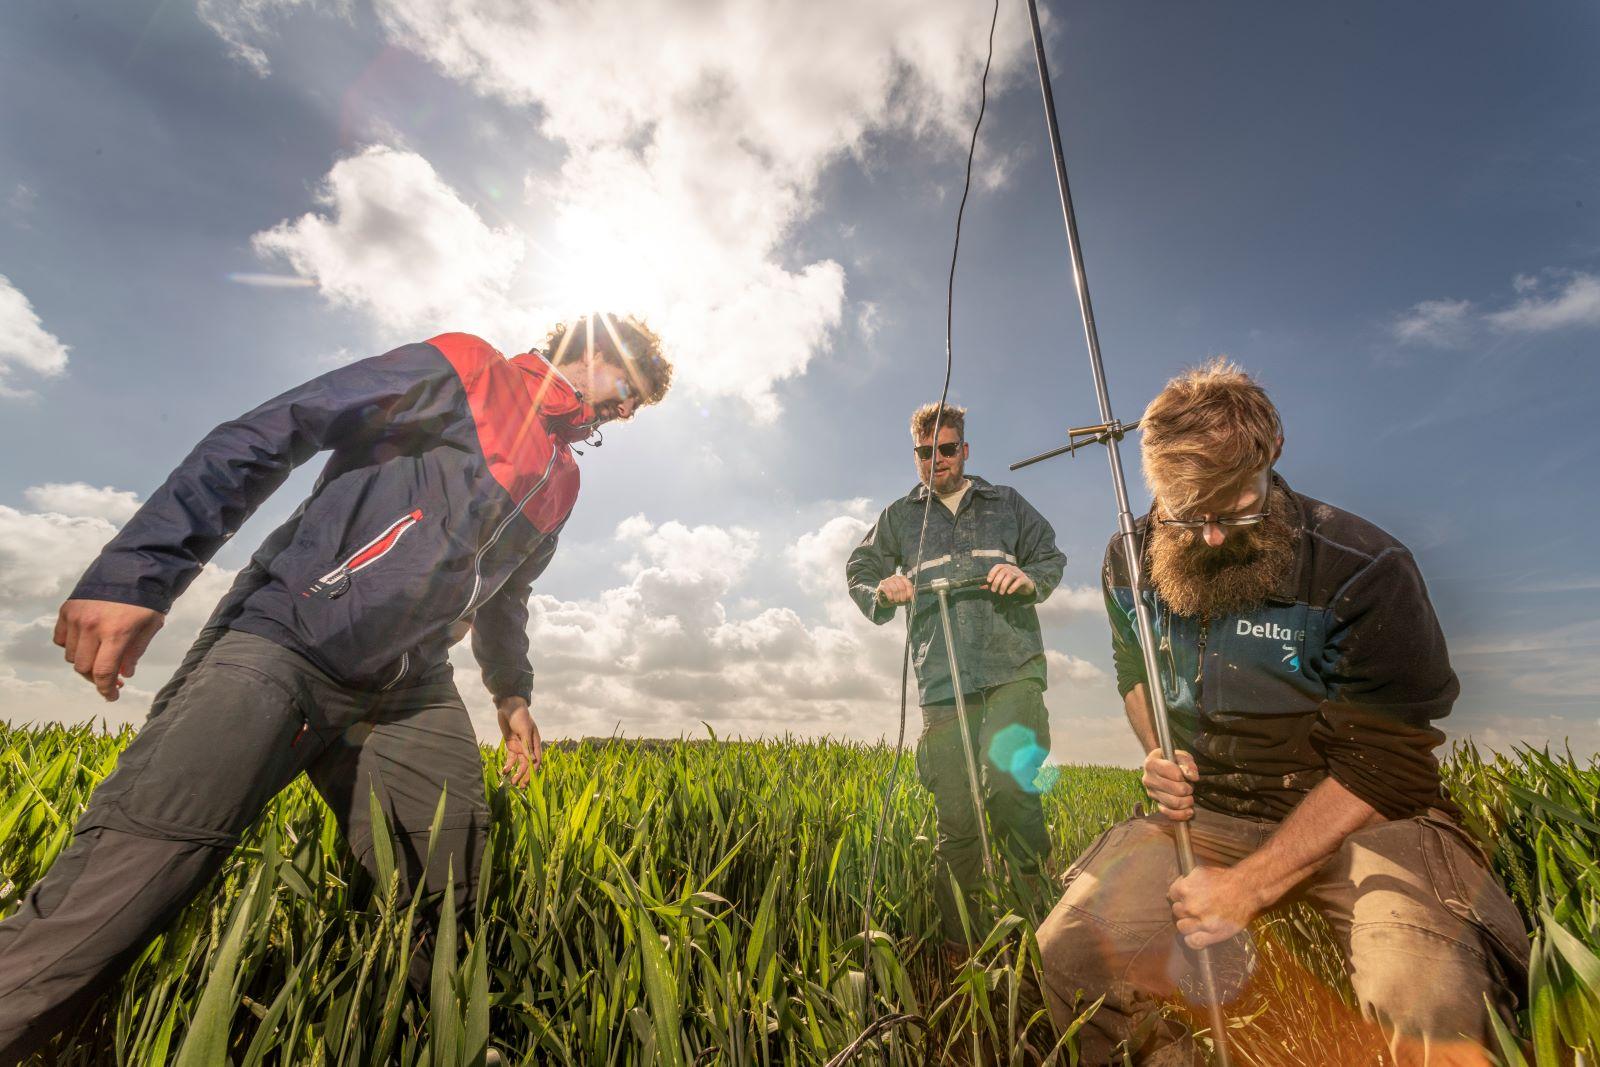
column 587, row 265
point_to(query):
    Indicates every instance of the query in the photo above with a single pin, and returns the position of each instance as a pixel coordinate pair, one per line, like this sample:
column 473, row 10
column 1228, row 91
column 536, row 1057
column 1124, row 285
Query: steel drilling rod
column 1125, row 527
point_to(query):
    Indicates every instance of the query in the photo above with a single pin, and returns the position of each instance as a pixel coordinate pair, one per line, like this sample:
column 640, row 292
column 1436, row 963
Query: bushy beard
column 1198, row 580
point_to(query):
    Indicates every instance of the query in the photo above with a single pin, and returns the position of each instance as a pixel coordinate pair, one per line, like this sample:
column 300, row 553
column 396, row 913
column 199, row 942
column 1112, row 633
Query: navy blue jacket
column 449, row 481
column 1341, row 673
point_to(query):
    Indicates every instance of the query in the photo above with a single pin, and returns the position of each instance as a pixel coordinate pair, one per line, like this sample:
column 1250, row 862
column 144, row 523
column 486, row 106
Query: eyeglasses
column 947, row 449
column 1220, row 520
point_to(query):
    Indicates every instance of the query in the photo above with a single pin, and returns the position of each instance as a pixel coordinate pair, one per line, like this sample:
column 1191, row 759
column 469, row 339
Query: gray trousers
column 237, row 723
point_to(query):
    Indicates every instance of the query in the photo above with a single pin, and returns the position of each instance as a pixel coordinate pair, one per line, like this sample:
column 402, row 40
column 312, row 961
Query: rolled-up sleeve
column 1389, row 677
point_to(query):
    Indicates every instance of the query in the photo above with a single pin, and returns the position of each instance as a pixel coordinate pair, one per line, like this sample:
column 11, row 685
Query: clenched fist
column 896, row 589
column 1171, row 784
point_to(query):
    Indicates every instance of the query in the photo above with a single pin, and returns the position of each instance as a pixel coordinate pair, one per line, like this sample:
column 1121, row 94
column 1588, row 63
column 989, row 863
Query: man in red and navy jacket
column 450, row 478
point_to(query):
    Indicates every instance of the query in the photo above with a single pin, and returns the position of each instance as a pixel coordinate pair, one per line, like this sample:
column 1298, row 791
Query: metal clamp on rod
column 1098, row 434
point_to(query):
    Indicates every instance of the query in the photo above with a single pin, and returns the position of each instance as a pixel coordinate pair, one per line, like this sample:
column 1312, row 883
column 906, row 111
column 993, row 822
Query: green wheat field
column 700, row 902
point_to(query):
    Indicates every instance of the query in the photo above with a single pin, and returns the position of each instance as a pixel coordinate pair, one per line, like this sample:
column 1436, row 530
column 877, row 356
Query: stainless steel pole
column 942, row 588
column 1125, row 527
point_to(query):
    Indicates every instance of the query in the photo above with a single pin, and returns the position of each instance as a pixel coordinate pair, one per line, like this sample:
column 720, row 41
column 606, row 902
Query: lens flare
column 1015, row 749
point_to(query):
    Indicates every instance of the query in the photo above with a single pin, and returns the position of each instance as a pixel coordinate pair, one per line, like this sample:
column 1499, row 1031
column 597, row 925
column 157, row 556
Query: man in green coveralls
column 974, row 528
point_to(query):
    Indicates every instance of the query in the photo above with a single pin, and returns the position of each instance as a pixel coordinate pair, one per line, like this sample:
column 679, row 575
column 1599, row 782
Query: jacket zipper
column 336, row 582
column 477, row 560
column 405, row 664
column 1200, row 669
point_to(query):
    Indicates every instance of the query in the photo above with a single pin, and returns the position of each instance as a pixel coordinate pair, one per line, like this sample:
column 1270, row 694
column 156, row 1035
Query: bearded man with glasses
column 1303, row 669
column 974, row 529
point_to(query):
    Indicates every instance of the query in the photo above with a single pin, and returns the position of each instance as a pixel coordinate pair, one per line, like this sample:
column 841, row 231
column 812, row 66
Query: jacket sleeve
column 1125, row 651
column 1037, row 554
column 235, row 467
column 1388, row 676
column 500, row 629
column 874, row 559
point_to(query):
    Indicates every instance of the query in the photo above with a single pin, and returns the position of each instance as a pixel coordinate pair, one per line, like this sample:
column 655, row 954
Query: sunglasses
column 948, row 449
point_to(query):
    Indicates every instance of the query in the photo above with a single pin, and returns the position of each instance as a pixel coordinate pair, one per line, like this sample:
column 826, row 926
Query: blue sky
column 1389, row 212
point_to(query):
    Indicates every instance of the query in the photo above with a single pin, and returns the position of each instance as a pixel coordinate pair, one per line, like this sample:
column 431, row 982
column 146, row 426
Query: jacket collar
column 561, row 407
column 980, row 487
column 1289, row 586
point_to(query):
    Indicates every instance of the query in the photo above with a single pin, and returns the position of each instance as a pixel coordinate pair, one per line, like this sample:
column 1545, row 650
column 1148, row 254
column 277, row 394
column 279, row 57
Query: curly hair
column 922, row 420
column 624, row 342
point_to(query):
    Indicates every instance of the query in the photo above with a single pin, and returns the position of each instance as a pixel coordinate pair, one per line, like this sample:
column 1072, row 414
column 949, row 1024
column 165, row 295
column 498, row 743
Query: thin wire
column 927, row 506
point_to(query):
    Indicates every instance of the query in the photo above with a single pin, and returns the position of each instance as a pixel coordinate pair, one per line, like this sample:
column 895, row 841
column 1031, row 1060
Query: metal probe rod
column 943, row 587
column 1125, row 528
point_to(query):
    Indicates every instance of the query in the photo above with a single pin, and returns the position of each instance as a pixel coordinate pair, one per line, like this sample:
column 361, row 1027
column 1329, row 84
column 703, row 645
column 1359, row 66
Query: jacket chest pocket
column 987, row 528
column 1263, row 657
column 337, row 582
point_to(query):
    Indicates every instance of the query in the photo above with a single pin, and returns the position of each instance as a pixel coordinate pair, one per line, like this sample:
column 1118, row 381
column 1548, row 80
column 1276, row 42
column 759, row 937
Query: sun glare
column 588, row 265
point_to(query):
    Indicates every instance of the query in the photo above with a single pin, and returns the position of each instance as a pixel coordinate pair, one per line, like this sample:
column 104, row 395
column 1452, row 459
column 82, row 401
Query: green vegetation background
column 700, row 902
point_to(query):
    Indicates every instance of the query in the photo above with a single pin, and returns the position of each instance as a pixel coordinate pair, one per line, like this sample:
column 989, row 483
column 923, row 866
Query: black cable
column 911, row 608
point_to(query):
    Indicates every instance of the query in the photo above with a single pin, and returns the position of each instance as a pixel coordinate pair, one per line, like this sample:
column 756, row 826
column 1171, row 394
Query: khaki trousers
column 1425, row 930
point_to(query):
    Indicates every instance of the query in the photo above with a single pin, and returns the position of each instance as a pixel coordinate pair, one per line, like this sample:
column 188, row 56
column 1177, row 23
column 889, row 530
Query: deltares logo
column 1269, row 630
column 1289, row 640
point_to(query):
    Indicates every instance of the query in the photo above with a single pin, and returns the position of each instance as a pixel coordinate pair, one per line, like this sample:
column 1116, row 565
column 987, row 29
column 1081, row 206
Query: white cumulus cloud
column 818, row 557
column 42, row 554
column 25, row 345
column 394, row 240
column 678, row 643
column 43, row 551
column 82, row 500
column 1070, row 668
column 665, row 650
column 1069, row 601
column 696, row 135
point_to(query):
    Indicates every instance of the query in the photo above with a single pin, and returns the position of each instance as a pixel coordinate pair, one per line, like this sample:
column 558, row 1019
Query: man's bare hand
column 1171, row 785
column 1211, row 904
column 524, row 749
column 896, row 589
column 1006, row 579
column 104, row 640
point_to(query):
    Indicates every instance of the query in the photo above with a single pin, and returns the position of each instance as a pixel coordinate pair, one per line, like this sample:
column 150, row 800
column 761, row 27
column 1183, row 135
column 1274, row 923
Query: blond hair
column 1205, row 434
column 923, row 418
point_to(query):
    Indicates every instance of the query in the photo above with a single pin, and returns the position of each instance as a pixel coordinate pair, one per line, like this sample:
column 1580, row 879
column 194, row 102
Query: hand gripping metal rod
column 1125, row 528
column 942, row 587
